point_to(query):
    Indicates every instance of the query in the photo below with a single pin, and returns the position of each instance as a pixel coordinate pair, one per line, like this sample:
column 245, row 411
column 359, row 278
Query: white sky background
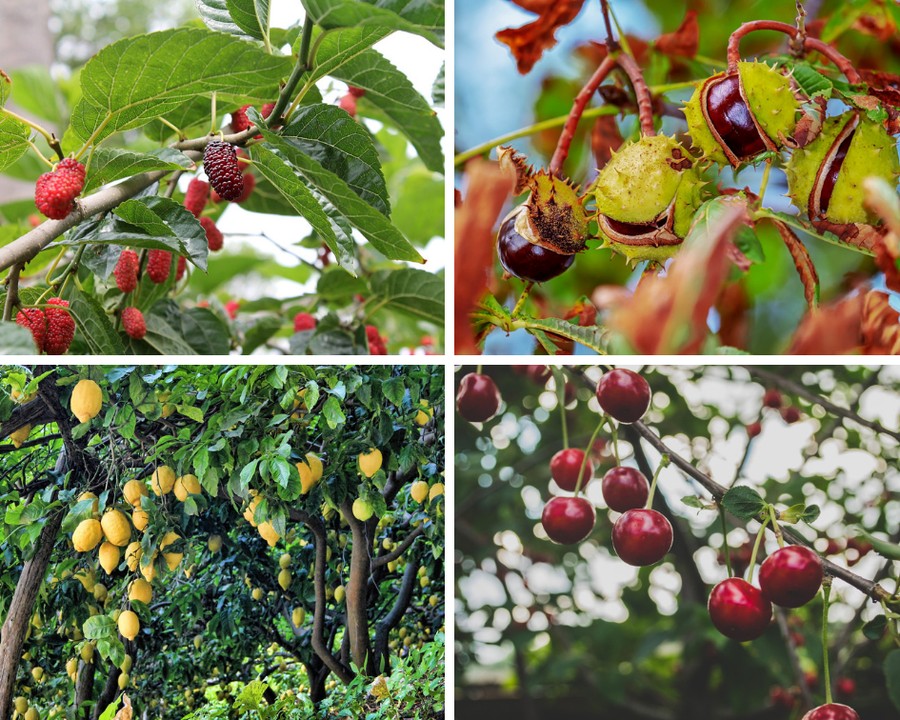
column 774, row 454
column 420, row 61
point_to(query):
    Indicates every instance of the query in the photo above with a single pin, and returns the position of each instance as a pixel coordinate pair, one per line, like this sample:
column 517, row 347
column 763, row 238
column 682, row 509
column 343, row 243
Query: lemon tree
column 208, row 541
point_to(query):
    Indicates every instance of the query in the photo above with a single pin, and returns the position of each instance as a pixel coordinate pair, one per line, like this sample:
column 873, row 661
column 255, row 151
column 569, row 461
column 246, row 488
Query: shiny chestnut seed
column 478, row 399
column 738, row 610
column 625, row 488
column 732, row 121
column 832, row 711
column 526, row 260
column 791, row 576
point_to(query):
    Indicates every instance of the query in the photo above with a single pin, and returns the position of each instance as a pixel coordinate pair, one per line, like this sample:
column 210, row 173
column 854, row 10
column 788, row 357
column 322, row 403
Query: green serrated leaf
column 186, row 62
column 810, row 514
column 414, row 292
column 391, row 92
column 424, row 17
column 698, row 503
column 13, row 140
column 93, row 325
column 811, row 81
column 592, row 337
column 333, row 413
column 376, row 228
column 743, row 502
column 251, row 16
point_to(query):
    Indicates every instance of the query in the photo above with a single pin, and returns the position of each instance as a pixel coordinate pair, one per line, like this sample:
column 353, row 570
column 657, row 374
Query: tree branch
column 392, row 619
column 401, row 548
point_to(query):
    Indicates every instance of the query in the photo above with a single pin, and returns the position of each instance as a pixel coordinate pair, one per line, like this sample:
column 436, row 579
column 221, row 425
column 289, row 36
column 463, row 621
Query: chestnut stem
column 734, row 52
column 611, row 42
column 581, row 101
column 641, row 93
column 521, row 301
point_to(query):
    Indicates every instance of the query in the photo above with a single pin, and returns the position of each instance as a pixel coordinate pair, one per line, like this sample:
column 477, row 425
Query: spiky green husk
column 769, row 96
column 638, row 183
column 872, row 152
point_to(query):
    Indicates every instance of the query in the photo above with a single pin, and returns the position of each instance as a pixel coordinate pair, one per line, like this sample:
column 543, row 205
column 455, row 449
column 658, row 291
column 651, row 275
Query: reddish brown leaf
column 529, row 41
column 667, row 315
column 804, row 264
column 487, row 189
column 684, row 41
column 880, row 326
column 885, row 86
column 881, row 26
column 833, row 329
column 605, row 138
column 733, row 305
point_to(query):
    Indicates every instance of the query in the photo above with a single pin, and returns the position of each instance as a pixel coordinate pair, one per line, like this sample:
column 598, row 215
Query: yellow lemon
column 362, row 509
column 86, row 400
column 129, row 625
column 87, row 535
column 149, row 570
column 339, row 594
column 163, row 480
column 21, row 705
column 133, row 491
column 109, row 557
column 258, row 594
column 140, row 518
column 187, row 485
column 284, row 579
column 141, row 590
column 214, row 543
column 370, row 462
column 173, row 559
column 425, row 414
column 116, row 527
column 436, row 491
column 298, row 616
column 251, row 510
column 126, row 664
column 133, row 555
column 419, row 491
column 37, row 673
column 123, row 680
column 284, row 562
column 307, row 478
column 19, row 436
column 268, row 533
column 315, row 465
column 71, row 667
column 32, row 714
column 90, row 496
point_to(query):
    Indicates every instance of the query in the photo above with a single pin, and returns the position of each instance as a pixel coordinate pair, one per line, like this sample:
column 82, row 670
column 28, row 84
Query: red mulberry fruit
column 196, row 196
column 231, row 307
column 60, row 327
column 55, row 192
column 126, row 271
column 134, row 323
column 304, row 321
column 239, row 119
column 221, row 165
column 348, row 103
column 33, row 319
column 159, row 265
column 376, row 342
column 214, row 237
column 181, row 269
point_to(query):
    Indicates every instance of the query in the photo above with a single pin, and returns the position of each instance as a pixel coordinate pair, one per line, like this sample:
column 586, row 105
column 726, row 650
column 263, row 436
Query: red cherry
column 738, row 610
column 845, row 687
column 624, row 395
column 811, row 679
column 832, row 711
column 478, row 398
column 568, row 520
column 564, row 467
column 783, row 697
column 790, row 414
column 791, row 577
column 642, row 537
column 625, row 488
column 536, row 373
column 754, row 429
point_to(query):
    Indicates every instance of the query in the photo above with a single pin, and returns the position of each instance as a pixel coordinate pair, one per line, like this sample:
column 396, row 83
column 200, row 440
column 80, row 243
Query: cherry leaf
column 743, row 502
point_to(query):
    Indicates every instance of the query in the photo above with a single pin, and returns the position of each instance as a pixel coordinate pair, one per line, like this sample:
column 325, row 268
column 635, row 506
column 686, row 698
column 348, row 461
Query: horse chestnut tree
column 681, row 543
column 648, row 204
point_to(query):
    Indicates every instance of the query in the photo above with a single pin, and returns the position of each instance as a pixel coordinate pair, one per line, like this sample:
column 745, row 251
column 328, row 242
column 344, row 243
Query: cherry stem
column 734, row 52
column 478, row 369
column 663, row 462
column 587, row 453
column 777, row 530
column 521, row 301
column 725, row 549
column 759, row 536
column 560, row 381
column 578, row 106
column 826, row 671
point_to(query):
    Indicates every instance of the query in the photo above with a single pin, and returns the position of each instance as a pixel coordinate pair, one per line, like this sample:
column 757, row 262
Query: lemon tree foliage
column 363, row 170
column 222, row 540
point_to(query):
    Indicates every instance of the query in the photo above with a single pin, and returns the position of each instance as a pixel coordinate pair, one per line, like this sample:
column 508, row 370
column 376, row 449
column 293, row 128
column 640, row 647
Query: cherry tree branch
column 864, row 585
column 771, row 378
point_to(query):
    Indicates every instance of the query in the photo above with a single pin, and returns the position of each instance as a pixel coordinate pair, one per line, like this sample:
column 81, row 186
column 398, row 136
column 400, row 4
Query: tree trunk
column 108, row 694
column 12, row 636
column 358, row 589
column 84, row 687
